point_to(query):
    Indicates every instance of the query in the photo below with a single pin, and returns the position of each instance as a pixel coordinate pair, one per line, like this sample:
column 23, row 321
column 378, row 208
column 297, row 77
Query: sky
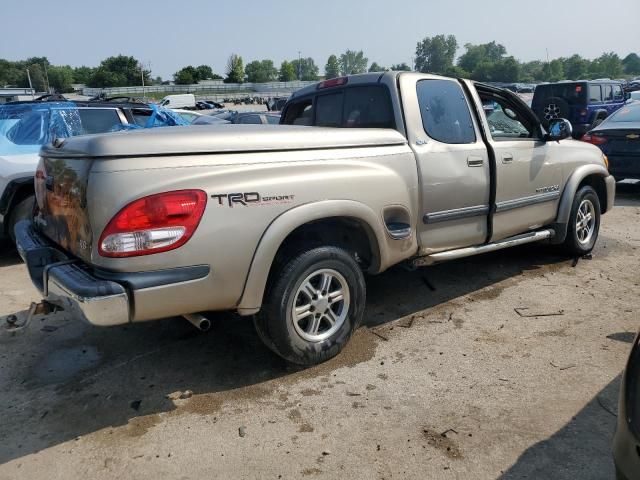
column 170, row 34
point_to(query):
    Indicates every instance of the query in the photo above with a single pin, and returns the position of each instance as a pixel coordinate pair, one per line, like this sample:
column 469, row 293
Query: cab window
column 608, row 93
column 366, row 106
column 445, row 112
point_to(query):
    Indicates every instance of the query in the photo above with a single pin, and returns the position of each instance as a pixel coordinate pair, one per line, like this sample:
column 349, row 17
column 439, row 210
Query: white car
column 26, row 126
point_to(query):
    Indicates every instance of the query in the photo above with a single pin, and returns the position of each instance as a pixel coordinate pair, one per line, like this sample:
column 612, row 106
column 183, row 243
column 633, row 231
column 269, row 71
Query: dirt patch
column 305, row 428
column 311, row 471
column 310, row 392
column 442, row 442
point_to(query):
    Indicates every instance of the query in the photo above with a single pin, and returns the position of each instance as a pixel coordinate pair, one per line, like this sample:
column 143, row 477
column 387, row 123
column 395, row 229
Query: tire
column 581, row 239
column 21, row 211
column 597, row 122
column 328, row 287
column 553, row 107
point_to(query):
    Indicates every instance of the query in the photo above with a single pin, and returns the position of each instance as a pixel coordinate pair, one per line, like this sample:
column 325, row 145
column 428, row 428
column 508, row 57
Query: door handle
column 507, row 158
column 473, row 161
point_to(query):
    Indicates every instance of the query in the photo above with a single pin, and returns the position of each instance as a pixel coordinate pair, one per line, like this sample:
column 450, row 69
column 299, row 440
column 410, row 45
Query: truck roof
column 361, row 78
column 200, row 139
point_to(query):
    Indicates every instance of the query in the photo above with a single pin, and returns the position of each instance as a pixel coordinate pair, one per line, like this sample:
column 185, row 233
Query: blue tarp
column 25, row 127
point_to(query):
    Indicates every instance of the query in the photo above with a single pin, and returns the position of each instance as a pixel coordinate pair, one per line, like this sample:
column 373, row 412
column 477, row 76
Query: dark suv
column 585, row 103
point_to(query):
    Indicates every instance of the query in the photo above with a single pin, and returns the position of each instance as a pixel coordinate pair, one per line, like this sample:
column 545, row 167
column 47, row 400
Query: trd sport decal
column 249, row 199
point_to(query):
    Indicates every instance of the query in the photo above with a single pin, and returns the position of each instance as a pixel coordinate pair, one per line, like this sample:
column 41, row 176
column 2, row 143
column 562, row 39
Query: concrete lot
column 446, row 380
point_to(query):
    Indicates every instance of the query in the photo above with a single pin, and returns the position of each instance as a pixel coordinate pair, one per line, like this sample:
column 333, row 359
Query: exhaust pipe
column 199, row 321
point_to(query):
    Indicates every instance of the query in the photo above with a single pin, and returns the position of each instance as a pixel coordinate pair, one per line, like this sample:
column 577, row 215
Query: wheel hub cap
column 320, row 305
column 585, row 221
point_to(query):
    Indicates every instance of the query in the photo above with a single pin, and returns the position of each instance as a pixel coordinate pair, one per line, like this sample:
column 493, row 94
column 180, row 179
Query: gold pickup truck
column 282, row 222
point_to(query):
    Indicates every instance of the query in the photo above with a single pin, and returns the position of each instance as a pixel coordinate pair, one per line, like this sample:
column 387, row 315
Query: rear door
column 452, row 160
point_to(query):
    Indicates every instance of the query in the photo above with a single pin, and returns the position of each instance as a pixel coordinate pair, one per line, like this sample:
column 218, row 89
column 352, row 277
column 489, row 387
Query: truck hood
column 200, row 139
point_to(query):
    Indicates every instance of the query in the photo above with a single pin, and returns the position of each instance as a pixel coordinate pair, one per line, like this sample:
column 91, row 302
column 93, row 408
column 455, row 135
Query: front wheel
column 313, row 306
column 584, row 222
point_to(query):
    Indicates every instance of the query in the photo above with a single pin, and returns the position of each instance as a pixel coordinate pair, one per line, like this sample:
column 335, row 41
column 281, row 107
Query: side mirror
column 627, row 95
column 559, row 129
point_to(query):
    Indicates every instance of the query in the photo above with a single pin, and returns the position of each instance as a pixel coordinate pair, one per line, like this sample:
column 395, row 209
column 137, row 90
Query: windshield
column 628, row 113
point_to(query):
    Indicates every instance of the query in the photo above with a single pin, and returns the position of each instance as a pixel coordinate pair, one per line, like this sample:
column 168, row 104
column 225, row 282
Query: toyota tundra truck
column 282, row 222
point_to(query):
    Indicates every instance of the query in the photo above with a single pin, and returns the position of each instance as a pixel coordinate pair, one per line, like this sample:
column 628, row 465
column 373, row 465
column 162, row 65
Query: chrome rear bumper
column 64, row 282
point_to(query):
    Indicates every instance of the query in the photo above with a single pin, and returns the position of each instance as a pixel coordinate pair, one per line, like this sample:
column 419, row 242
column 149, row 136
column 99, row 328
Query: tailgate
column 61, row 195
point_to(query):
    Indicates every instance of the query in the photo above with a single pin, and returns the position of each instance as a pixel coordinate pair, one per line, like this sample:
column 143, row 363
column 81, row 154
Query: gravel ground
column 445, row 381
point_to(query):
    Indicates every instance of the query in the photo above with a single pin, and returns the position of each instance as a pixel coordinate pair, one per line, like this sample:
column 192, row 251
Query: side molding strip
column 455, row 214
column 526, row 201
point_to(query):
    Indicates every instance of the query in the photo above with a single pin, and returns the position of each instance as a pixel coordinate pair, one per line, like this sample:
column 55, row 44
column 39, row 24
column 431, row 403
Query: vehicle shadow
column 581, row 449
column 628, row 194
column 67, row 379
column 8, row 254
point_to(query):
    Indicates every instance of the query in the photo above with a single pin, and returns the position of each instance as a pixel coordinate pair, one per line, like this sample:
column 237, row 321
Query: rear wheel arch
column 15, row 193
column 346, row 224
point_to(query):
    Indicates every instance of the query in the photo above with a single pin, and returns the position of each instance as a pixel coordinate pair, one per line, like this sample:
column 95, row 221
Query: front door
column 527, row 177
column 453, row 164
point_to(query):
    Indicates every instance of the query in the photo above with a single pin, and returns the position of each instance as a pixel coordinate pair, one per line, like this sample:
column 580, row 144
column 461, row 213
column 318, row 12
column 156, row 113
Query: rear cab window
column 358, row 106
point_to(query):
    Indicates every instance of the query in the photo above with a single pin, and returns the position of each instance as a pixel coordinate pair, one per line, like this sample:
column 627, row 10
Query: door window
column 617, row 93
column 445, row 112
column 608, row 93
column 595, row 94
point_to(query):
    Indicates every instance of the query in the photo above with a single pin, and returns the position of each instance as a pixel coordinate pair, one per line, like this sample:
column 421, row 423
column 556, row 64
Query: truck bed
column 201, row 139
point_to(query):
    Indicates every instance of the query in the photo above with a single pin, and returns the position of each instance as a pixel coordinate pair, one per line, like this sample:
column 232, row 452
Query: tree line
column 488, row 62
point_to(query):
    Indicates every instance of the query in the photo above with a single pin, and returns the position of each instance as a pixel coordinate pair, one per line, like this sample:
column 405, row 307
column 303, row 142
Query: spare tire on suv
column 553, row 107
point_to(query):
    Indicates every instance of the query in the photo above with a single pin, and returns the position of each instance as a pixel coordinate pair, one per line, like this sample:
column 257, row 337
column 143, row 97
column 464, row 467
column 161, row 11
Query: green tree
column 474, row 55
column 352, row 62
column 119, row 71
column 376, row 68
column 36, row 73
column 575, row 67
column 435, row 55
column 631, row 64
column 261, row 71
column 607, row 65
column 10, row 73
column 287, row 72
column 204, row 72
column 186, row 76
column 332, row 68
column 306, row 69
column 235, row 69
column 61, row 78
column 553, row 71
column 531, row 72
column 401, row 67
column 505, row 70
column 82, row 74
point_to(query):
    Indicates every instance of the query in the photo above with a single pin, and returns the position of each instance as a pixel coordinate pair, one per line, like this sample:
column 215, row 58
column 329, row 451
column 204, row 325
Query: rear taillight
column 593, row 139
column 153, row 224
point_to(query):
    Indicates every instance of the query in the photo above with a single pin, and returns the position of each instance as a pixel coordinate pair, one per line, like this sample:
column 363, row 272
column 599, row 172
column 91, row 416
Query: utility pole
column 30, row 84
column 142, row 76
column 46, row 76
column 299, row 65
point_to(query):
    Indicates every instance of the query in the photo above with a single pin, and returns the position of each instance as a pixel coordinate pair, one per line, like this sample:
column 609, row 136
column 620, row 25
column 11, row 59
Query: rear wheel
column 315, row 303
column 21, row 211
column 584, row 222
